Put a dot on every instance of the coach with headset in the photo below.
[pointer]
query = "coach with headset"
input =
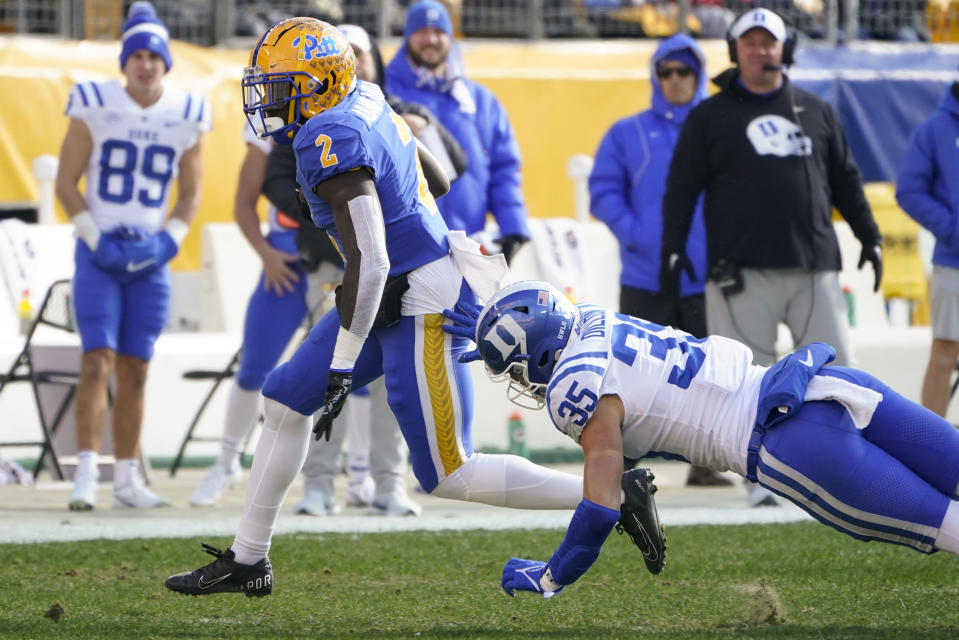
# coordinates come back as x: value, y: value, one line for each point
x: 772, y: 160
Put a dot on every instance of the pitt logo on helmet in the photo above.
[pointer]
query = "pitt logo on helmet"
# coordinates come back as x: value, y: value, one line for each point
x: 300, y: 68
x: 308, y: 47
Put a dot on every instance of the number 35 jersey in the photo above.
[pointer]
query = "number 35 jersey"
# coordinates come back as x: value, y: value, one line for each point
x: 691, y: 397
x: 136, y: 151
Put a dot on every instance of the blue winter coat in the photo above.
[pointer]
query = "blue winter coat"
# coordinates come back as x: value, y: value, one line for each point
x: 928, y: 184
x: 491, y: 183
x: 628, y: 181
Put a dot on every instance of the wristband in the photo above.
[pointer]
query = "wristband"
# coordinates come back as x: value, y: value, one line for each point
x: 177, y: 229
x: 346, y: 351
x: 87, y: 229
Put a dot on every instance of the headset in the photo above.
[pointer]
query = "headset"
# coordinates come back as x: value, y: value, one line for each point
x: 789, y: 46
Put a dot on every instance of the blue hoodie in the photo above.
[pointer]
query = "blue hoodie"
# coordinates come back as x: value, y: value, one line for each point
x: 628, y: 181
x: 477, y: 120
x: 928, y: 184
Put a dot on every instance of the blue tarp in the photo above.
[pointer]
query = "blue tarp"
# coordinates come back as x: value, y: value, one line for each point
x: 881, y: 91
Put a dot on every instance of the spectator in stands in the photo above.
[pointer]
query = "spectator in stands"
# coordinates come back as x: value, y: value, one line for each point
x: 425, y: 71
x: 626, y: 193
x: 771, y: 161
x: 130, y: 142
x: 928, y: 190
x: 294, y: 253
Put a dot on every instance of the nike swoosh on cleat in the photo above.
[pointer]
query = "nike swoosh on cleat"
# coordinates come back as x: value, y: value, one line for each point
x: 133, y: 267
x: 808, y: 359
x: 207, y: 585
x: 650, y: 552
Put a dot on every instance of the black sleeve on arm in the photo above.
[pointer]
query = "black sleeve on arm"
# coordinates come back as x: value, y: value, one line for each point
x: 436, y: 178
x: 684, y: 183
x: 279, y: 180
x: 845, y: 184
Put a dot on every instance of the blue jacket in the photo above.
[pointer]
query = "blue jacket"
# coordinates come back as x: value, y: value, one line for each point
x: 928, y: 184
x: 628, y: 181
x: 491, y: 183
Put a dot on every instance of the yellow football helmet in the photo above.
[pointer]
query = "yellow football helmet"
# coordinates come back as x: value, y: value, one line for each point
x: 298, y: 69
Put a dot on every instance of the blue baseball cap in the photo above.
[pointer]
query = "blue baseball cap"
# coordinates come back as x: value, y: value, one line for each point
x: 144, y: 30
x: 427, y: 13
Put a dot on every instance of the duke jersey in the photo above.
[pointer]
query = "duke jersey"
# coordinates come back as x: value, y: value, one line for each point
x: 363, y: 131
x: 686, y: 396
x: 136, y: 151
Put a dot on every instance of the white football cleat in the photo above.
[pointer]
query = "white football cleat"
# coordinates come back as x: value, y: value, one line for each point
x: 217, y: 481
x: 360, y: 494
x: 395, y: 504
x: 317, y: 502
x: 135, y: 495
x: 84, y: 494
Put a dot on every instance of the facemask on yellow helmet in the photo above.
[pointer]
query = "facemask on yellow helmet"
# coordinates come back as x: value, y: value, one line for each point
x: 298, y: 69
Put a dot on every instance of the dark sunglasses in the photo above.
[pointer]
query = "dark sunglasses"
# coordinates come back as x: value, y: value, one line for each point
x: 682, y: 72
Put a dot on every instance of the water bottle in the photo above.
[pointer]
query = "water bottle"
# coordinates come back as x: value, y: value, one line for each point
x: 25, y: 312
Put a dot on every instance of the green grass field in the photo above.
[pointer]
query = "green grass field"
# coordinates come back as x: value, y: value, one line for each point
x: 719, y: 582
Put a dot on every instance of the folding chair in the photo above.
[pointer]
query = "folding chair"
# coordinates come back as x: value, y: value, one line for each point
x: 203, y: 374
x: 54, y: 312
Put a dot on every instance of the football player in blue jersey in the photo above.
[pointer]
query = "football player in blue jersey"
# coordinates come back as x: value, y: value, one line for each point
x: 130, y: 142
x: 836, y: 441
x: 372, y: 186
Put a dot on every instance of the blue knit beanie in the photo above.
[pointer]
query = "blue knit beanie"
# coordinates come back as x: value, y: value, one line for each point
x: 427, y: 13
x: 143, y: 30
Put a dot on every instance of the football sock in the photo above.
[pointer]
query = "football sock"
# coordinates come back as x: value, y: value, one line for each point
x: 123, y: 470
x: 279, y: 456
x: 948, y: 538
x: 242, y: 409
x: 87, y: 462
x: 511, y: 481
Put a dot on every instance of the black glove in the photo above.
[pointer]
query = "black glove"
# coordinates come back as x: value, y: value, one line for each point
x: 510, y: 244
x: 673, y: 265
x: 873, y: 254
x: 337, y: 389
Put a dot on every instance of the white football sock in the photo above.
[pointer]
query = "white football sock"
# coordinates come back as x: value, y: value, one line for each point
x: 87, y: 461
x: 123, y: 470
x: 511, y: 481
x: 279, y: 456
x: 948, y: 538
x: 242, y: 410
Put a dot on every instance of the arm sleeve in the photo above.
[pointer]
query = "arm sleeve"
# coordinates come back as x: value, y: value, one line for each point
x: 914, y: 187
x: 505, y: 195
x: 609, y: 183
x: 279, y: 180
x: 688, y: 171
x: 845, y: 184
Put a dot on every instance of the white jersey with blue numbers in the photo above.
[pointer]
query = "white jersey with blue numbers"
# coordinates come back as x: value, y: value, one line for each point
x: 363, y: 131
x: 685, y: 396
x: 136, y: 151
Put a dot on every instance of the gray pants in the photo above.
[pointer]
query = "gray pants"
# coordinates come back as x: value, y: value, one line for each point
x: 810, y: 303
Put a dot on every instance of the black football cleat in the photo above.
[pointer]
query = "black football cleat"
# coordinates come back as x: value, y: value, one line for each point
x: 225, y: 575
x: 639, y: 518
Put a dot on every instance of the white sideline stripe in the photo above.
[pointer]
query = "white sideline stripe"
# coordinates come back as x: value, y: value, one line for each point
x: 162, y: 523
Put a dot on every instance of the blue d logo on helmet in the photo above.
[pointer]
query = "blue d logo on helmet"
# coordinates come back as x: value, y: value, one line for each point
x: 520, y: 335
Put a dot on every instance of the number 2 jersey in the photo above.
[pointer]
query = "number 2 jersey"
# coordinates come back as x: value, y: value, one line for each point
x: 684, y: 396
x: 136, y: 151
x: 363, y: 131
